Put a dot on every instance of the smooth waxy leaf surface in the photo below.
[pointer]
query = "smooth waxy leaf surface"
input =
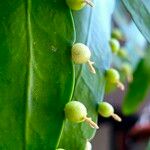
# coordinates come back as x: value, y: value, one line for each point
x: 36, y: 74
x: 92, y: 28
x: 140, y: 12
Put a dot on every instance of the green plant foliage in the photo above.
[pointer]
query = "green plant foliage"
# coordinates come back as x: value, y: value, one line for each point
x: 93, y: 29
x: 139, y: 87
x: 36, y: 72
x: 135, y: 42
x: 37, y: 77
x: 133, y: 46
x: 140, y: 13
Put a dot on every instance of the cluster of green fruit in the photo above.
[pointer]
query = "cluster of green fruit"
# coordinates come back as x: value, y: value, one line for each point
x: 116, y: 37
x: 75, y: 111
x: 81, y: 55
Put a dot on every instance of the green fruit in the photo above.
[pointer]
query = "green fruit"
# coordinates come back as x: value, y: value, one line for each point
x: 105, y: 109
x: 117, y: 34
x: 126, y: 68
x: 122, y: 53
x: 80, y: 53
x: 75, y: 111
x: 75, y: 4
x: 115, y: 45
x: 112, y: 76
x: 60, y: 149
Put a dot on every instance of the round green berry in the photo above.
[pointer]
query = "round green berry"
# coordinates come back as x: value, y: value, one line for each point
x: 126, y: 68
x: 75, y: 4
x: 117, y: 34
x: 112, y: 76
x: 122, y: 53
x: 115, y: 45
x: 75, y: 111
x: 80, y: 53
x: 105, y: 109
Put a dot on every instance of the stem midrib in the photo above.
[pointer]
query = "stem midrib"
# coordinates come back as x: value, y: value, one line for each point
x: 29, y: 66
